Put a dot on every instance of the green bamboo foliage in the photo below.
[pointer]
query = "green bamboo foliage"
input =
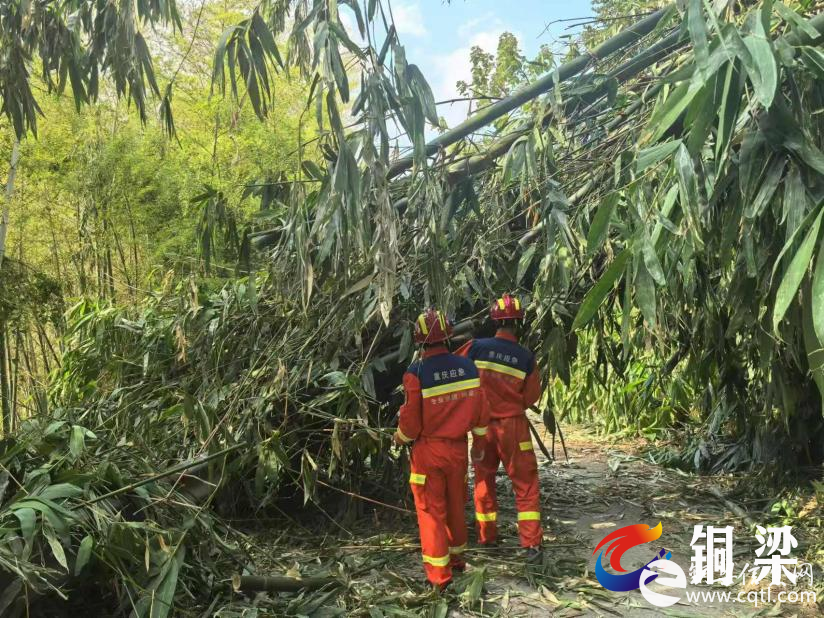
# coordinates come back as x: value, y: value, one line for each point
x: 665, y: 227
x: 78, y: 43
x: 727, y: 177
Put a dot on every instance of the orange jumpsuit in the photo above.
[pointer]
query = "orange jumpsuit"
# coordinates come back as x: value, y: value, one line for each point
x: 509, y: 378
x: 444, y: 401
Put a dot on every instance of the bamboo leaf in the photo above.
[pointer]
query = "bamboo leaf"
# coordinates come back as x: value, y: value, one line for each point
x: 795, y: 273
x: 795, y: 201
x: 264, y: 35
x: 753, y: 159
x: 771, y: 179
x: 663, y: 215
x: 77, y: 441
x: 688, y: 191
x: 598, y: 292
x: 626, y: 315
x: 764, y: 73
x: 812, y: 344
x: 524, y: 263
x: 702, y: 112
x: 218, y: 76
x: 796, y: 20
x: 56, y: 547
x: 665, y: 116
x: 60, y: 491
x: 28, y: 520
x: 731, y: 103
x: 599, y: 230
x: 84, y: 553
x: 343, y: 37
x: 817, y: 298
x: 341, y: 77
x: 814, y: 60
x: 645, y: 293
x: 654, y: 154
x: 652, y: 262
x: 164, y: 589
x: 698, y: 33
x: 791, y: 241
x: 419, y: 85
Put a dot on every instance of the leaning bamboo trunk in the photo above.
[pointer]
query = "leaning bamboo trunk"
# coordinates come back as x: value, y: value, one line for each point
x: 547, y: 83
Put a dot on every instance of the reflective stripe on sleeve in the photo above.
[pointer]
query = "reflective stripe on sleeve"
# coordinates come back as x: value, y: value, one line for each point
x: 403, y: 436
x: 453, y: 387
x: 525, y: 446
x: 486, y: 516
x: 499, y: 368
x: 417, y: 479
x: 440, y: 561
x: 529, y: 516
x: 479, y: 431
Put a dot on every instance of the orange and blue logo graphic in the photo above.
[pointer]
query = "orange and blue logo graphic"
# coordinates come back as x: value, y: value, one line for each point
x: 614, y: 545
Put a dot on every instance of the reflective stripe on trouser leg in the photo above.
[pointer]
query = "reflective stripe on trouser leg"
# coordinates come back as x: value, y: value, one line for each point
x: 430, y: 505
x: 456, y: 556
x: 529, y: 528
x: 486, y: 500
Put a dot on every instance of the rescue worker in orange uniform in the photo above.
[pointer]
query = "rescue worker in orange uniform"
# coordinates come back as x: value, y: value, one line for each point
x: 509, y: 378
x: 444, y: 402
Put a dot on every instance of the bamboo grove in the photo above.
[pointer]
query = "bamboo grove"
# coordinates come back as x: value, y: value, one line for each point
x: 658, y: 199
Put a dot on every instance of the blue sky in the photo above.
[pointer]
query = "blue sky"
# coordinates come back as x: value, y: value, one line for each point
x: 438, y: 35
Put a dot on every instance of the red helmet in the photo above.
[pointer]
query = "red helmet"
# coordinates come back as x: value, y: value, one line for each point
x: 432, y: 326
x: 506, y: 308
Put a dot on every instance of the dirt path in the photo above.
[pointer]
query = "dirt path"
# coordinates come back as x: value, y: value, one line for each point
x: 605, y: 486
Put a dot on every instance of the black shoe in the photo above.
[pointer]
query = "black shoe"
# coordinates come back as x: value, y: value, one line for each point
x: 535, y: 554
x: 439, y: 588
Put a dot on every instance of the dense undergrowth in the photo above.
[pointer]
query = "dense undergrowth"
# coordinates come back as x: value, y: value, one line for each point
x: 679, y: 204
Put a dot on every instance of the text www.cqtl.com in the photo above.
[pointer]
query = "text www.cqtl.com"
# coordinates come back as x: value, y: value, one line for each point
x: 754, y: 597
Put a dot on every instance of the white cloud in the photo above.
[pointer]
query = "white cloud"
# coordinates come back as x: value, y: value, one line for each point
x: 456, y: 66
x: 468, y: 27
x: 409, y: 19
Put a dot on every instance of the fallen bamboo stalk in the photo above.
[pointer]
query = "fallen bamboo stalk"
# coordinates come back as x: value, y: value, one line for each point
x: 630, y: 68
x: 173, y: 470
x: 541, y: 86
x: 277, y: 583
x: 540, y: 442
x: 461, y: 328
x: 479, y: 162
x: 732, y: 506
x: 280, y: 583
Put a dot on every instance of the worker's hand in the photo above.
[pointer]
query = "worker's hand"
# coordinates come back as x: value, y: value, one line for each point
x: 397, y: 439
x: 477, y: 453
